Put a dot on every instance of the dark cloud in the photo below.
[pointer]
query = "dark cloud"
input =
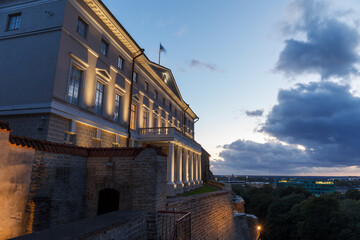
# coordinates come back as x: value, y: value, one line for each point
x: 324, y: 117
x: 255, y: 113
x: 321, y: 116
x: 250, y: 157
x: 330, y: 47
x: 196, y: 64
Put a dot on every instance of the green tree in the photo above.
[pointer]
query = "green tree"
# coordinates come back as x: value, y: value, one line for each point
x: 353, y: 194
x: 281, y: 220
x: 321, y: 218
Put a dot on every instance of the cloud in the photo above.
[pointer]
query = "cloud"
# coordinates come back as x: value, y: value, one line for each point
x: 329, y: 47
x: 320, y: 124
x: 255, y: 113
x: 323, y: 116
x: 182, y: 31
x: 251, y: 157
x: 199, y: 64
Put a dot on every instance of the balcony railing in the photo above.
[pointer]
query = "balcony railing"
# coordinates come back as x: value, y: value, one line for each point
x: 164, y: 131
x: 175, y: 225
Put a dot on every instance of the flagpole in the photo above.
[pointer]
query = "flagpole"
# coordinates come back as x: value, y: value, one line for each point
x: 159, y: 52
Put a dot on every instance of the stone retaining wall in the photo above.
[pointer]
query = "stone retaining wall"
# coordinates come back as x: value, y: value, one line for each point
x: 211, y: 215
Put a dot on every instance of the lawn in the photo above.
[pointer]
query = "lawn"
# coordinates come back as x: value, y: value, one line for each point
x: 204, y: 189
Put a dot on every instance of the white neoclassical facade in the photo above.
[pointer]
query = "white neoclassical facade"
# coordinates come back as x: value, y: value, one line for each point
x: 74, y: 75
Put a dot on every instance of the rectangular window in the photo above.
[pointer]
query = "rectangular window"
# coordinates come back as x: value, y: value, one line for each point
x: 74, y: 85
x: 133, y: 116
x: 175, y: 113
x: 104, y: 47
x: 170, y: 107
x: 117, y: 107
x: 163, y: 101
x: 135, y: 77
x: 14, y: 21
x: 145, y: 119
x: 99, y: 95
x: 146, y: 87
x: 82, y: 27
x: 156, y: 95
x: 120, y: 62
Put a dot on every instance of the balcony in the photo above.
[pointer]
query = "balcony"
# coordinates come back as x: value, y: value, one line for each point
x: 168, y: 134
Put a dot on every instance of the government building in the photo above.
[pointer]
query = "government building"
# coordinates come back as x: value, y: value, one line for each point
x: 96, y: 141
x: 71, y: 73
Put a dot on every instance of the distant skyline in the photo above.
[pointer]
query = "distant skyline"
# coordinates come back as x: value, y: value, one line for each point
x: 275, y: 83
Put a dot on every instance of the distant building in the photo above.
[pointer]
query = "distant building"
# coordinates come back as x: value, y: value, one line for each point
x: 315, y: 187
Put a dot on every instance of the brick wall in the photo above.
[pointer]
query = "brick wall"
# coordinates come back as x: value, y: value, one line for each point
x: 15, y: 175
x: 29, y: 125
x: 85, y: 135
x: 141, y: 182
x: 57, y: 190
x: 107, y: 138
x: 205, y: 166
x: 211, y: 215
x: 57, y: 127
x: 52, y: 128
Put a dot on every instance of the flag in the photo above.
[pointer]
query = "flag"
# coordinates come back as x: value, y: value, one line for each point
x: 162, y: 49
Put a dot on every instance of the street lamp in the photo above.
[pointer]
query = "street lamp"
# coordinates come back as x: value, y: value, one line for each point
x: 259, y: 229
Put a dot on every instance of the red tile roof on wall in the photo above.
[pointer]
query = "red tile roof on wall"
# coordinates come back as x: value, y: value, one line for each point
x: 114, y: 152
x: 61, y: 148
x: 5, y: 126
x: 46, y: 146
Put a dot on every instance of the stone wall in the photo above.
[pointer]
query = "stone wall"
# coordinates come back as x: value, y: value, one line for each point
x: 205, y: 166
x: 85, y: 135
x: 57, y: 127
x: 141, y: 182
x: 58, y: 190
x: 29, y: 125
x: 15, y: 175
x: 120, y: 225
x: 211, y: 215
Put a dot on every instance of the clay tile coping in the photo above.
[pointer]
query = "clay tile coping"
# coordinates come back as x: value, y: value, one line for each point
x: 61, y: 148
x: 114, y: 152
x: 5, y: 126
x: 47, y: 146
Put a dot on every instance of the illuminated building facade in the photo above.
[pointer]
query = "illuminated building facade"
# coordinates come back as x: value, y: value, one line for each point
x: 315, y: 187
x: 72, y: 74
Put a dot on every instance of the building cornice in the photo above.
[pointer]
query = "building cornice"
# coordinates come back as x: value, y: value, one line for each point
x: 104, y: 14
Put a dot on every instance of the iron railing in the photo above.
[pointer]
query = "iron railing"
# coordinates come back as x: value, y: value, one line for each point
x: 175, y: 225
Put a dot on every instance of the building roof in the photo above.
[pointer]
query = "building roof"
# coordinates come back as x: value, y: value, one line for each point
x: 61, y: 148
x: 105, y: 15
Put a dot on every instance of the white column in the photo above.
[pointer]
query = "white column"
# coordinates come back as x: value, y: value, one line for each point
x: 185, y: 169
x: 191, y: 161
x: 179, y: 183
x: 170, y: 170
x: 200, y: 170
x: 196, y: 169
